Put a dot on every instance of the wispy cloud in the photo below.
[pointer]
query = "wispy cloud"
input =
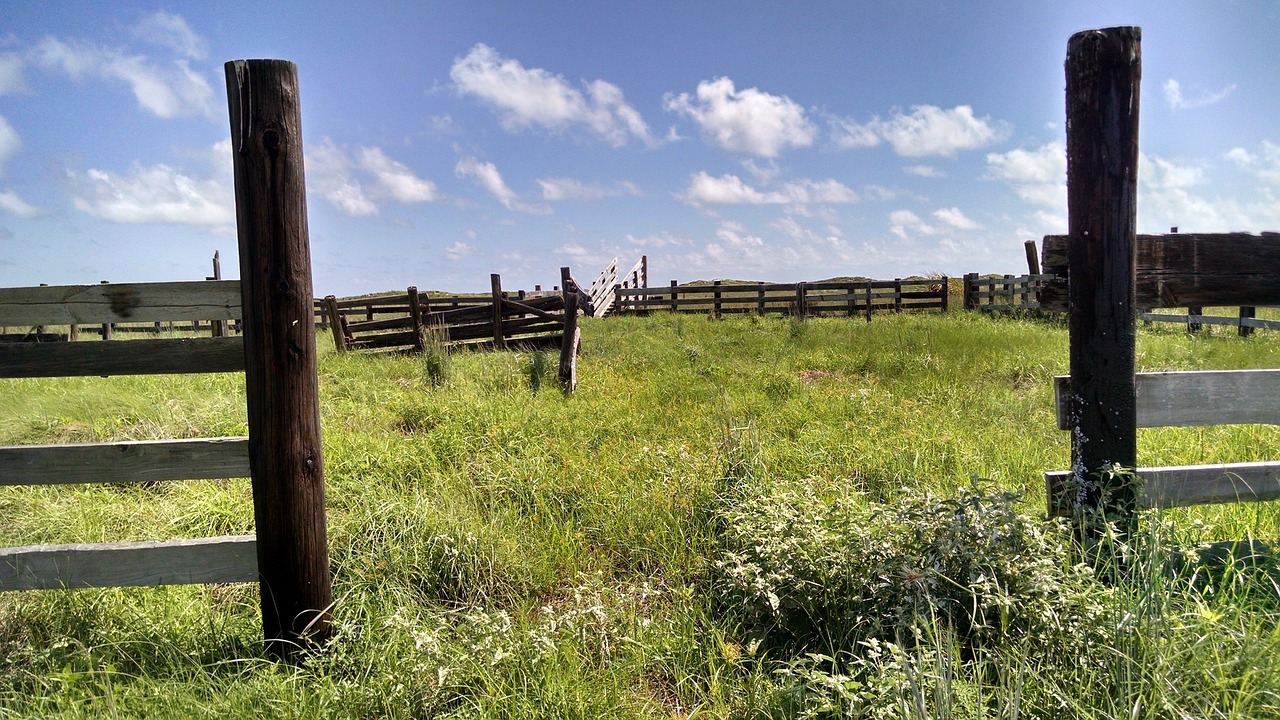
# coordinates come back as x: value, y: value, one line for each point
x: 337, y: 178
x: 159, y: 193
x: 486, y: 175
x: 1198, y: 97
x: 171, y: 31
x: 528, y: 97
x: 955, y: 218
x: 395, y: 179
x: 555, y: 189
x: 748, y: 121
x: 11, y: 203
x: 924, y: 171
x: 10, y: 143
x: 927, y: 130
x: 11, y: 76
x: 731, y: 190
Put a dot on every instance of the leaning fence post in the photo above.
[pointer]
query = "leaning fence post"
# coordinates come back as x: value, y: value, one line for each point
x: 286, y: 456
x: 335, y: 323
x: 572, y: 334
x: 495, y: 283
x: 1103, y: 69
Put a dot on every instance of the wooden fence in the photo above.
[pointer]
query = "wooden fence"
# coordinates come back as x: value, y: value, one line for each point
x: 1009, y: 293
x: 496, y: 321
x: 282, y: 454
x: 1103, y: 401
x: 852, y: 297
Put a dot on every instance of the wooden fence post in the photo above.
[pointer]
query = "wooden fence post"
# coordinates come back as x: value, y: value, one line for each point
x: 495, y: 283
x: 106, y: 327
x: 945, y: 282
x: 1193, y: 326
x: 218, y: 328
x: 335, y: 323
x: 868, y: 301
x: 716, y: 298
x: 572, y: 335
x: 802, y: 300
x: 286, y: 456
x: 644, y: 271
x: 675, y: 304
x: 1033, y: 259
x: 760, y: 298
x: 617, y: 299
x: 970, y: 290
x: 897, y: 294
x: 1103, y: 70
x: 415, y: 312
x: 1246, y: 312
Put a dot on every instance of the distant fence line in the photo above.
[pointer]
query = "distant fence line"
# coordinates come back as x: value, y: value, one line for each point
x: 849, y: 297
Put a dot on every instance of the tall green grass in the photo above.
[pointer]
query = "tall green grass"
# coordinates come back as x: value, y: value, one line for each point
x: 748, y: 517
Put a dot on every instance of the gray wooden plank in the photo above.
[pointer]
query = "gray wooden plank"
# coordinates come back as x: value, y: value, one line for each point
x: 1196, y: 397
x: 125, y: 357
x: 118, y: 462
x: 1183, y: 485
x: 130, y: 564
x: 125, y: 302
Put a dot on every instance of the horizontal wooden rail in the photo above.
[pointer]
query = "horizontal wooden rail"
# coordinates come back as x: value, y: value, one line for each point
x: 119, y: 462
x: 125, y: 302
x: 1184, y: 485
x: 135, y: 357
x: 130, y: 564
x: 1195, y: 397
x: 1211, y: 320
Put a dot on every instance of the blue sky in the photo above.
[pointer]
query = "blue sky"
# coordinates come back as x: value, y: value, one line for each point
x: 762, y: 141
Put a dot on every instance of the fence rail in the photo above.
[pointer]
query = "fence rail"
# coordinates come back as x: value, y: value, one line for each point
x: 1004, y: 294
x: 853, y: 297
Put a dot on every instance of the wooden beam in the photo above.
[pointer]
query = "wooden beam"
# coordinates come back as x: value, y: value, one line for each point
x: 281, y: 388
x: 495, y: 282
x: 121, y: 462
x: 129, y: 564
x: 1195, y: 397
x: 132, y: 357
x: 125, y: 302
x: 1182, y: 270
x: 1184, y: 485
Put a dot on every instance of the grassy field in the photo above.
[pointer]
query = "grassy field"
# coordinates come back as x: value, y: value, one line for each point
x: 744, y: 518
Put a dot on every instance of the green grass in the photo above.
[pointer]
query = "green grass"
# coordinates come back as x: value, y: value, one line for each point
x: 501, y: 549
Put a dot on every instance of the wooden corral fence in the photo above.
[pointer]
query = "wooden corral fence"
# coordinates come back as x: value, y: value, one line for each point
x: 851, y: 297
x: 288, y: 554
x: 1245, y: 323
x: 497, y: 321
x: 602, y: 297
x: 1008, y: 293
x: 1103, y: 401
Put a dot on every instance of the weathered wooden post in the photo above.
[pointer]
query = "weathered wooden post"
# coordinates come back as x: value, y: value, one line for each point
x: 869, y: 298
x: 106, y: 327
x: 218, y: 328
x: 1194, y: 326
x: 415, y: 312
x: 802, y: 300
x: 286, y: 457
x: 569, y: 343
x: 897, y: 294
x: 675, y: 302
x: 760, y: 298
x: 716, y: 298
x: 336, y: 323
x: 970, y: 290
x: 1103, y: 70
x: 1246, y: 312
x: 1033, y: 258
x: 944, y: 287
x: 495, y: 284
x: 644, y: 271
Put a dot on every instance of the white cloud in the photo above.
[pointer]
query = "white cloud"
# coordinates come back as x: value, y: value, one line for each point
x: 570, y: 189
x: 1265, y: 165
x: 171, y: 31
x: 486, y: 175
x: 165, y: 91
x: 14, y: 205
x: 659, y: 240
x: 159, y: 193
x: 924, y: 171
x: 1156, y: 173
x: 329, y: 171
x: 526, y: 97
x: 731, y: 190
x: 905, y: 223
x: 1038, y: 175
x: 458, y: 250
x: 1178, y: 101
x: 749, y: 121
x: 11, y: 79
x: 953, y: 217
x: 928, y: 130
x: 10, y: 143
x: 395, y: 179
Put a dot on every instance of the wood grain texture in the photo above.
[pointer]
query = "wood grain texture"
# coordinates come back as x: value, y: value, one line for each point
x: 1184, y: 485
x: 285, y: 449
x: 129, y: 564
x: 1195, y: 397
x: 1181, y: 270
x: 132, y: 357
x: 119, y: 462
x: 125, y: 302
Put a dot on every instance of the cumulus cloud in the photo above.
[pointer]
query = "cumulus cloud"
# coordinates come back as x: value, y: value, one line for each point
x: 11, y: 203
x: 747, y: 121
x: 458, y: 250
x: 905, y: 223
x: 395, y: 179
x: 1199, y: 98
x: 165, y: 90
x: 329, y: 171
x: 955, y: 218
x: 570, y: 189
x: 731, y: 190
x: 486, y: 175
x: 1038, y: 175
x: 1265, y: 164
x: 927, y: 130
x: 527, y: 97
x: 172, y: 32
x: 159, y: 193
x: 11, y: 79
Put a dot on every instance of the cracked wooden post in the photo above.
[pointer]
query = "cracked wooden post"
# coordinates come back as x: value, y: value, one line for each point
x: 572, y: 334
x: 499, y: 339
x: 1103, y: 70
x: 285, y: 453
